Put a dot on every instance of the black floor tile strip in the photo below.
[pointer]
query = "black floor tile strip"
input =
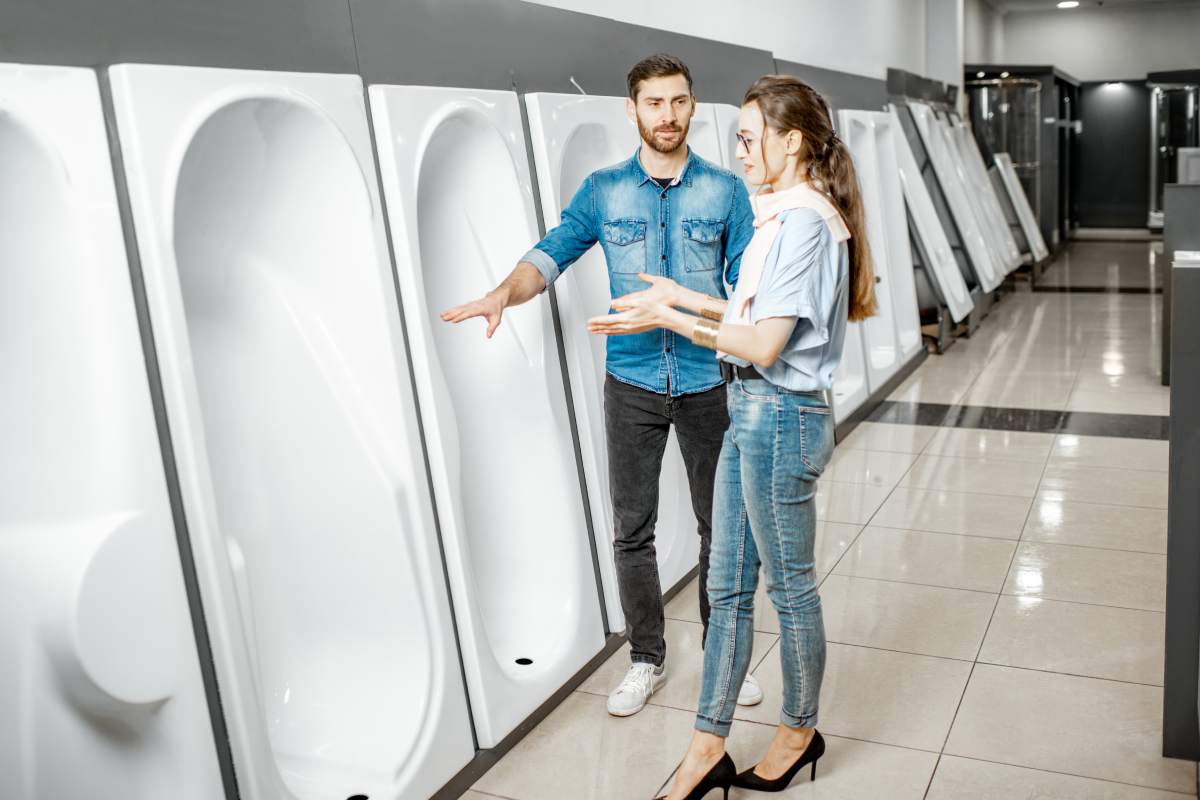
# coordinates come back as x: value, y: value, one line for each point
x: 1029, y: 420
x: 1098, y: 289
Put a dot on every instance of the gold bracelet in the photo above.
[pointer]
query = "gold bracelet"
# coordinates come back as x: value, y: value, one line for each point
x: 705, y: 333
x: 708, y: 313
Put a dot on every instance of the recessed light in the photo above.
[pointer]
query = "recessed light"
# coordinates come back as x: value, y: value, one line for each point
x: 1003, y: 74
x: 1069, y: 4
x: 980, y: 74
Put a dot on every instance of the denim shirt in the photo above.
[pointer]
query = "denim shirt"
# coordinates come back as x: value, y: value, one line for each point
x: 693, y: 232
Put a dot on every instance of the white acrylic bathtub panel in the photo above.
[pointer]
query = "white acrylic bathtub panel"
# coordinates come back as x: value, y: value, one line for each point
x: 573, y: 136
x: 99, y: 677
x: 985, y: 192
x: 460, y: 203
x: 292, y: 421
x: 945, y: 272
x: 727, y: 125
x: 954, y: 185
x: 880, y: 347
x: 1016, y: 194
x: 704, y: 137
x: 850, y: 388
x: 902, y: 281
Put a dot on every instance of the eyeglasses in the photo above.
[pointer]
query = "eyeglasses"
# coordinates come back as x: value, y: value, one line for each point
x: 744, y: 141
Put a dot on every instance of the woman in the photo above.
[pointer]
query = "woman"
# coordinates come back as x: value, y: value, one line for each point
x: 779, y: 337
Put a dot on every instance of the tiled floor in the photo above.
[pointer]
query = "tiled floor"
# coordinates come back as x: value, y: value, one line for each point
x: 993, y: 598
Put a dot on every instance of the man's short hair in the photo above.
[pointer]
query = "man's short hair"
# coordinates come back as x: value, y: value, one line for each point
x: 659, y: 65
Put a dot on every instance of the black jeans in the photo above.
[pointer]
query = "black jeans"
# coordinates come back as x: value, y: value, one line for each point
x: 636, y: 423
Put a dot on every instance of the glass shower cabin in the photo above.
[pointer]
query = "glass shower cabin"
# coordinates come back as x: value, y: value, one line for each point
x: 1174, y: 123
x: 1006, y: 118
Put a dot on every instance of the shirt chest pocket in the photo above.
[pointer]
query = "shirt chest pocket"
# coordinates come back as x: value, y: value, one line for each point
x: 702, y: 244
x: 625, y: 245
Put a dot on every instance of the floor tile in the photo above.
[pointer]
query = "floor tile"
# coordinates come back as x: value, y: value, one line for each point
x: 471, y: 794
x: 866, y: 466
x: 1118, y: 402
x: 998, y: 445
x: 933, y: 559
x: 1088, y: 575
x: 972, y: 475
x: 580, y: 751
x: 849, y: 770
x: 853, y: 503
x: 1050, y: 392
x: 1100, y: 485
x: 925, y: 620
x: 1097, y: 525
x: 877, y: 695
x: 1083, y: 726
x: 997, y: 516
x: 1112, y: 452
x: 888, y: 438
x: 685, y: 666
x: 1095, y: 641
x: 922, y: 390
x: 957, y: 778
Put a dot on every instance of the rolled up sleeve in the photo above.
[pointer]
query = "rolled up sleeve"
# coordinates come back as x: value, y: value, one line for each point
x: 571, y: 238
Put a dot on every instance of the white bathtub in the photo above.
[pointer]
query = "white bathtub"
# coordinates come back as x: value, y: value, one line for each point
x: 892, y: 337
x: 573, y: 136
x: 985, y: 195
x: 99, y: 677
x: 460, y: 205
x: 293, y: 423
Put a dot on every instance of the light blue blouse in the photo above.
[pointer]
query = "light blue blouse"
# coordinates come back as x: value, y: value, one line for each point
x: 806, y: 275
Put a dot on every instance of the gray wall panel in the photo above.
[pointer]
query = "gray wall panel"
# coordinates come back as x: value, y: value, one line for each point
x: 841, y: 89
x: 303, y: 35
x: 1114, y: 170
x: 492, y: 45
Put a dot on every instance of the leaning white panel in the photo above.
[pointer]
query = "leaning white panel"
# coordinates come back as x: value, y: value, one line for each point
x: 460, y: 205
x: 99, y: 677
x: 954, y: 185
x: 943, y: 265
x: 293, y: 426
x: 1020, y: 203
x: 901, y: 277
x: 572, y: 137
x: 985, y: 192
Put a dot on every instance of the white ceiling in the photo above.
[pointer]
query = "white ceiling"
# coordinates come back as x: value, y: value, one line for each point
x: 1005, y: 6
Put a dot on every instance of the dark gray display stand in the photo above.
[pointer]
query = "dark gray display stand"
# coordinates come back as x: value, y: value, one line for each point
x: 1181, y: 724
x: 1181, y: 231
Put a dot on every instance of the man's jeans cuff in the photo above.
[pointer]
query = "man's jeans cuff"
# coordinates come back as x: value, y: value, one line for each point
x: 544, y: 263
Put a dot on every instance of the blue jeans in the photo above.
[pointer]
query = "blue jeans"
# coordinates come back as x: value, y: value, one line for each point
x: 777, y: 445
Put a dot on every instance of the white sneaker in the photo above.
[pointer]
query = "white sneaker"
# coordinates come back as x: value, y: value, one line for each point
x: 751, y: 693
x: 641, y: 681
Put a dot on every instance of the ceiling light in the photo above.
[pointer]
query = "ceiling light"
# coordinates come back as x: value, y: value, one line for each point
x: 980, y: 74
x: 1069, y: 4
x: 1003, y: 74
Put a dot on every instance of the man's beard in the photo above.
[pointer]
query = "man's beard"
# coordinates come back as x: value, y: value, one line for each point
x: 663, y: 147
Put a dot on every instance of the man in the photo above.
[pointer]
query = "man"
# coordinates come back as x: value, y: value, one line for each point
x: 665, y: 211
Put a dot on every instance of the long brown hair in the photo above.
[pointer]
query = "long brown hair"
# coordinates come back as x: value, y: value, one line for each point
x: 789, y: 104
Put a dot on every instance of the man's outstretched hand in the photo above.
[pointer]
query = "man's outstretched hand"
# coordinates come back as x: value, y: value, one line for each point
x: 490, y: 307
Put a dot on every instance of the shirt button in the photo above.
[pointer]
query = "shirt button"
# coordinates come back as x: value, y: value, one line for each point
x: 662, y: 224
x: 664, y: 258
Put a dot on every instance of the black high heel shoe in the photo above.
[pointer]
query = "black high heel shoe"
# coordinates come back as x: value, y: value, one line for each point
x: 811, y: 755
x: 721, y: 776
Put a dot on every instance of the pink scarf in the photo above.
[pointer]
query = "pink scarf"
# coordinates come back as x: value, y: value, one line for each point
x: 767, y: 208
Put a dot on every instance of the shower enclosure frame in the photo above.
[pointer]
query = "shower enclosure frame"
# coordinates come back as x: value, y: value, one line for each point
x: 1157, y: 147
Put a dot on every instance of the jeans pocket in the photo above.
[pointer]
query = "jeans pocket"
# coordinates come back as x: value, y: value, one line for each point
x: 816, y: 439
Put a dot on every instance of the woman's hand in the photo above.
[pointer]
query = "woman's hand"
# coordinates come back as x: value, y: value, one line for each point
x: 639, y: 314
x: 662, y: 290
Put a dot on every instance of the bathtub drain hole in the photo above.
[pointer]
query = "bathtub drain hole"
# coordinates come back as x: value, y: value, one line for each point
x: 524, y: 662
